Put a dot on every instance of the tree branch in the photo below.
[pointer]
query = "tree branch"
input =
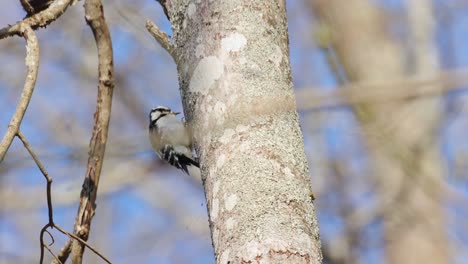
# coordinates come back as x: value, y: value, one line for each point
x: 64, y: 253
x: 32, y: 64
x: 44, y: 172
x: 41, y: 19
x: 25, y: 29
x: 74, y: 237
x: 94, y: 15
x: 57, y: 259
x: 52, y: 253
x: 161, y: 37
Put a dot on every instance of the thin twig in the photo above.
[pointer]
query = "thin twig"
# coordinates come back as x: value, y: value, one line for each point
x: 44, y: 172
x: 50, y: 211
x: 48, y: 192
x: 32, y: 64
x: 41, y: 19
x: 51, y: 237
x: 52, y: 253
x: 73, y: 236
x: 41, y: 239
x: 161, y: 37
x: 57, y: 258
x: 94, y: 15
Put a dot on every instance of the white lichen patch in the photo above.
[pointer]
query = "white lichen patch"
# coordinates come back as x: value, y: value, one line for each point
x: 191, y: 9
x: 244, y: 146
x: 209, y: 108
x: 214, y: 209
x: 224, y: 257
x: 219, y: 108
x: 241, y: 128
x: 233, y: 43
x: 219, y: 111
x: 254, y: 67
x: 216, y: 188
x: 242, y: 60
x: 304, y: 241
x: 208, y: 70
x: 233, y: 100
x: 230, y: 223
x: 230, y: 202
x: 220, y: 161
x: 277, y: 56
x: 275, y: 165
x: 185, y: 68
x: 252, y: 249
x: 227, y: 136
x: 288, y: 172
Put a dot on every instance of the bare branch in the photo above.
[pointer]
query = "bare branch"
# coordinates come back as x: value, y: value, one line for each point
x: 52, y: 253
x: 82, y: 242
x: 44, y: 172
x: 38, y: 20
x: 161, y: 37
x: 60, y: 258
x: 51, y: 237
x: 32, y: 64
x: 64, y: 253
x: 94, y: 15
x: 25, y: 28
x: 49, y: 196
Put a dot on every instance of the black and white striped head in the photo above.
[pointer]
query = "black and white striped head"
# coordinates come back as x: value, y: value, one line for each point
x: 158, y: 112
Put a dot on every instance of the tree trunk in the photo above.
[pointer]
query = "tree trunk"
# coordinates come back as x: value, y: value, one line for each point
x: 235, y: 79
x: 400, y: 135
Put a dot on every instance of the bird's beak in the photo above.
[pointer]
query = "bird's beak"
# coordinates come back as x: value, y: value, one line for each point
x: 176, y: 113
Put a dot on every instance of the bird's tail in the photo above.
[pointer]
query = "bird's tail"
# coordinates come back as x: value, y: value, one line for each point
x: 190, y: 166
x: 181, y: 161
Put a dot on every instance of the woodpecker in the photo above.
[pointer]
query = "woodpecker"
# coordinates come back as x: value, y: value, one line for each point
x: 171, y: 140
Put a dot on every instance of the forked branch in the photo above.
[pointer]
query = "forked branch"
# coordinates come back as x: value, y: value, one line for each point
x: 32, y: 65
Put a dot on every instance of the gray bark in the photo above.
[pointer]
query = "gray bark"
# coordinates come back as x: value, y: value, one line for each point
x: 235, y: 79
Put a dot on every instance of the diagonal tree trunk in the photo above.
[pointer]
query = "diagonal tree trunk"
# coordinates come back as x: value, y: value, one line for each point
x: 234, y: 72
x: 400, y: 135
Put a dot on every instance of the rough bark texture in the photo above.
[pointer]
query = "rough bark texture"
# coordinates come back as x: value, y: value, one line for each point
x: 234, y: 73
x: 400, y: 135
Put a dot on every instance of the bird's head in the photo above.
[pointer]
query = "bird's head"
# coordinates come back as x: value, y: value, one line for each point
x: 159, y: 112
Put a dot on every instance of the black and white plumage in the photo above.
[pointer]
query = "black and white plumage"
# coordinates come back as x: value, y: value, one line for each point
x: 171, y: 140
